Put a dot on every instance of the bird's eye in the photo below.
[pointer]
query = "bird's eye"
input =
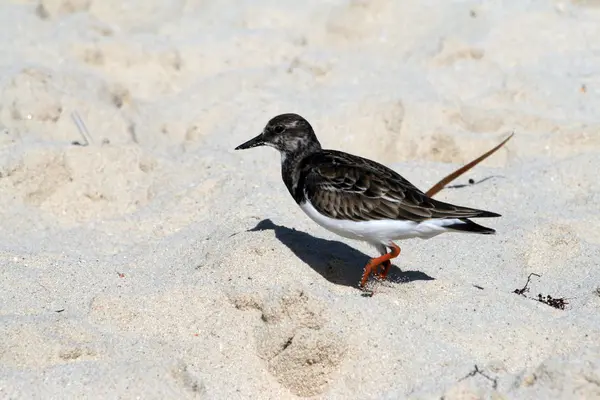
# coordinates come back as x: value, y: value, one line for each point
x: 279, y: 128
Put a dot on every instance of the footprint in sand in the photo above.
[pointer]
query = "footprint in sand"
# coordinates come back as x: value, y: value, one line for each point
x: 297, y: 346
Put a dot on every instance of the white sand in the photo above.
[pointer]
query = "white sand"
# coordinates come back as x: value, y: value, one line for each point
x: 159, y: 263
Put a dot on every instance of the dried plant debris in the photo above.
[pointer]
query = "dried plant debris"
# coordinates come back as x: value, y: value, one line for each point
x: 525, y: 288
x: 477, y: 371
x: 559, y: 302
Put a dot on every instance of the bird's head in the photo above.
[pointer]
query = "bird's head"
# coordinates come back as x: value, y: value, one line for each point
x: 288, y: 133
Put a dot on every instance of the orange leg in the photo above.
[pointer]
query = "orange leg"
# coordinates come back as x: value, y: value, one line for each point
x: 384, y: 260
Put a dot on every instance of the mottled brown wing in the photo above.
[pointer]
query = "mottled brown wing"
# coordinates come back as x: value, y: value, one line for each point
x: 348, y: 187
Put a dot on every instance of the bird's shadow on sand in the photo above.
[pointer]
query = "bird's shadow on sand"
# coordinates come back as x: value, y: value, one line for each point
x: 335, y: 261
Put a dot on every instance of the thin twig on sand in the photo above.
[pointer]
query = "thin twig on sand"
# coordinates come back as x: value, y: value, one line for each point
x: 525, y: 288
x: 477, y: 371
x: 82, y: 130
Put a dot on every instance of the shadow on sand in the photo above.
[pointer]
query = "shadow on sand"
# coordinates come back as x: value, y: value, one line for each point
x: 335, y: 261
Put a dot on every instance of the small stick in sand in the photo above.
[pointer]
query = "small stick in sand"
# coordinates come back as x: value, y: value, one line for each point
x: 477, y: 371
x: 441, y: 184
x: 525, y: 288
x: 82, y: 130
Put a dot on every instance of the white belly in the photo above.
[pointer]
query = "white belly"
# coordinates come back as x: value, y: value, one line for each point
x: 378, y: 231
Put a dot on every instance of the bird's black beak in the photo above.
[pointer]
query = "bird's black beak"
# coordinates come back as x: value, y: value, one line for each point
x: 254, y: 142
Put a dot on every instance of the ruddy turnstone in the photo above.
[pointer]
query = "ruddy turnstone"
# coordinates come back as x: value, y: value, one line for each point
x: 357, y: 198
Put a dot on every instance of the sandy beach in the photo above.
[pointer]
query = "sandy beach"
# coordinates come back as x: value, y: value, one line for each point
x: 156, y: 262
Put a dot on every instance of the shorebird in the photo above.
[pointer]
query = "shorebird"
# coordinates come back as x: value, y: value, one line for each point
x: 358, y: 198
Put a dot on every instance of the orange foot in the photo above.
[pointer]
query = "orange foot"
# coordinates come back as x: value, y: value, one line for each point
x: 384, y: 261
x: 382, y: 271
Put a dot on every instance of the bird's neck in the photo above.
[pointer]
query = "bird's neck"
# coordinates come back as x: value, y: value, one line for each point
x: 291, y: 168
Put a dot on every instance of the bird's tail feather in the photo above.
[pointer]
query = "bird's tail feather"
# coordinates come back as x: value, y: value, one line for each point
x: 466, y: 225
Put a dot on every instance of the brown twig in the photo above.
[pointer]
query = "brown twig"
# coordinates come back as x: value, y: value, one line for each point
x: 441, y: 184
